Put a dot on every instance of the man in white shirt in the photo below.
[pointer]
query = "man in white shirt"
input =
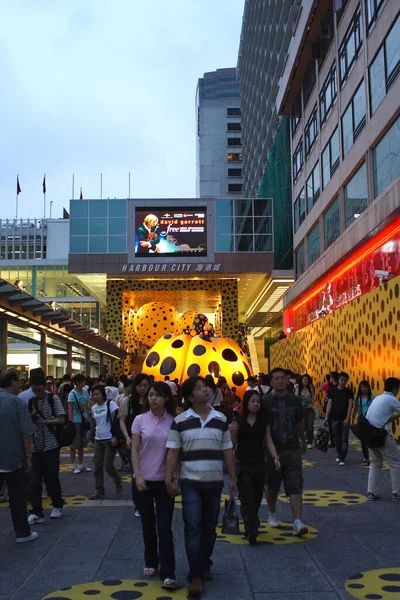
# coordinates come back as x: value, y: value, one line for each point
x: 111, y: 390
x: 383, y: 410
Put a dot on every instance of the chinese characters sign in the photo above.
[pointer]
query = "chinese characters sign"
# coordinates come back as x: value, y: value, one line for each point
x: 171, y: 268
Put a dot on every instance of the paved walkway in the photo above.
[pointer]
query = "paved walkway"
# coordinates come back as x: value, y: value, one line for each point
x: 97, y: 546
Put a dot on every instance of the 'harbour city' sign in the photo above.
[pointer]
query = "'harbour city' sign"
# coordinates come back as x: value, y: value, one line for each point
x: 171, y: 268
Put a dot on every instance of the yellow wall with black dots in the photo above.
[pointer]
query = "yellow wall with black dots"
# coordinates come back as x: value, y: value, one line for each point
x: 361, y: 338
x: 119, y: 316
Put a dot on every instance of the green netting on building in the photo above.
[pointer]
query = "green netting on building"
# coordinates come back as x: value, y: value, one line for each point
x: 276, y: 184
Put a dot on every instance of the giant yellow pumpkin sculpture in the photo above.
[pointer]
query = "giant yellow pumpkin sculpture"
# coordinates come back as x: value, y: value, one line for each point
x: 183, y: 356
x: 155, y: 319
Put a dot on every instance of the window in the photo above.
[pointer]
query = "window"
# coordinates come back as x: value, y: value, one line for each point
x: 350, y: 47
x: 244, y: 225
x: 299, y: 210
x: 235, y: 157
x: 234, y: 172
x: 298, y: 160
x: 234, y: 142
x: 314, y: 246
x: 300, y: 260
x: 385, y: 67
x: 309, y: 82
x: 354, y: 119
x: 331, y: 224
x: 234, y: 127
x: 233, y: 112
x: 386, y: 159
x: 311, y: 131
x: 327, y: 96
x: 79, y: 208
x: 313, y: 187
x: 372, y: 8
x: 234, y: 187
x: 296, y: 114
x: 330, y: 158
x: 355, y: 196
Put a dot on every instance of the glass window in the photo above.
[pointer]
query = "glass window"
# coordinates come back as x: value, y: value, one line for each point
x: 392, y: 49
x: 298, y: 160
x: 78, y: 208
x: 117, y: 226
x: 234, y: 127
x: 314, y: 246
x: 98, y: 244
x: 262, y: 225
x: 224, y: 208
x: 311, y: 131
x: 296, y: 214
x: 244, y: 225
x: 300, y: 261
x: 313, y: 188
x: 117, y: 243
x: 354, y: 119
x: 330, y: 158
x: 98, y: 208
x: 351, y: 46
x: 234, y: 172
x: 78, y: 244
x: 244, y: 243
x: 117, y: 208
x: 296, y: 113
x: 78, y: 226
x: 331, y: 224
x: 386, y: 159
x: 385, y: 67
x: 327, y: 96
x: 372, y: 8
x: 377, y: 88
x: 263, y: 206
x: 355, y: 196
x: 224, y: 226
x: 234, y: 142
x: 243, y: 208
x: 309, y: 82
x: 299, y: 210
x: 263, y: 243
x: 232, y: 157
x: 234, y: 187
x: 98, y: 226
x: 224, y: 243
x: 233, y: 112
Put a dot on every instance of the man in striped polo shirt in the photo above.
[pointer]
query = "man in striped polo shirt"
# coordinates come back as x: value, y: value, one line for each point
x: 200, y: 441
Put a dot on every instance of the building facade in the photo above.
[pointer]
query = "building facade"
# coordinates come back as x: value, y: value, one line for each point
x: 218, y: 135
x: 341, y: 87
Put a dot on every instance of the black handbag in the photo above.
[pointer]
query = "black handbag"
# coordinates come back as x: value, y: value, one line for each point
x: 372, y: 437
x: 85, y: 424
x: 230, y: 519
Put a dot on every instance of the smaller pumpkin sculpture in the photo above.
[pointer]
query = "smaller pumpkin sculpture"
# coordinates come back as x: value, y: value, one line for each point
x: 155, y: 319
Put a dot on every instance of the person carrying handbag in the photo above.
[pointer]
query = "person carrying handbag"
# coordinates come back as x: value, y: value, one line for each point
x: 77, y: 413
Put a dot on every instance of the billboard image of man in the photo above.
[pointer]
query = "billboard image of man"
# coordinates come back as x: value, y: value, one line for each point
x: 148, y: 235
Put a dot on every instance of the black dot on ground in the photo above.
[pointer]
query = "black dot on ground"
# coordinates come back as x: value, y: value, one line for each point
x: 91, y: 592
x: 356, y: 586
x: 66, y: 588
x: 390, y: 576
x: 61, y: 598
x: 374, y: 596
x: 140, y: 584
x: 391, y: 588
x: 357, y: 576
x: 280, y: 539
x: 164, y: 598
x: 126, y: 595
x: 111, y: 582
x: 351, y: 497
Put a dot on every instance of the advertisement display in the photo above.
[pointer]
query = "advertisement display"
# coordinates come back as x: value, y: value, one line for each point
x: 178, y: 232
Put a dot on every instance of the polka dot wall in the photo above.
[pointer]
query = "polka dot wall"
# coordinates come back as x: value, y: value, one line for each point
x: 362, y: 338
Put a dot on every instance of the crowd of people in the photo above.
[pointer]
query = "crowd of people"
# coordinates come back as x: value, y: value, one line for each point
x: 182, y: 439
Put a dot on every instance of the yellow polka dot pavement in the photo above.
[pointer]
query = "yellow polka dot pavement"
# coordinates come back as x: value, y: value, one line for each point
x: 118, y: 589
x: 68, y: 499
x: 380, y: 584
x: 328, y: 498
x: 309, y: 463
x: 268, y: 535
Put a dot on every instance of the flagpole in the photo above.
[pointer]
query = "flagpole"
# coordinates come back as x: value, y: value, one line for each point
x: 44, y: 197
x: 73, y: 186
x: 16, y: 200
x: 129, y: 186
x: 101, y: 186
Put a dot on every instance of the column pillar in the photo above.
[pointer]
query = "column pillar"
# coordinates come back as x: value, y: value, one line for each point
x: 87, y: 362
x: 3, y: 344
x: 43, y: 351
x: 69, y: 358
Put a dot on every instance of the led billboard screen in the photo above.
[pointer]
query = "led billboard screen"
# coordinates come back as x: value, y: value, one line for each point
x: 179, y: 232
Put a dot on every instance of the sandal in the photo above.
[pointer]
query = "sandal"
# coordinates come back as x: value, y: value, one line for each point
x: 169, y: 584
x: 149, y: 572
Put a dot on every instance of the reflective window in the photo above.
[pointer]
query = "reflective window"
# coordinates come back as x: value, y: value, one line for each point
x: 314, y: 246
x: 298, y: 160
x: 234, y: 127
x: 225, y: 226
x: 262, y: 225
x: 263, y: 243
x: 98, y: 208
x: 244, y: 225
x: 263, y: 206
x: 224, y: 208
x: 355, y: 196
x: 330, y: 158
x: 224, y: 243
x: 78, y: 226
x: 234, y: 172
x: 97, y: 244
x: 117, y: 208
x: 313, y: 187
x: 117, y: 243
x: 244, y: 243
x: 300, y: 260
x: 386, y: 159
x: 234, y: 187
x: 331, y: 224
x: 385, y: 67
x: 296, y: 114
x: 117, y: 226
x: 372, y: 8
x: 311, y: 131
x: 243, y: 208
x: 78, y: 244
x: 309, y: 82
x: 327, y: 95
x: 354, y: 119
x: 233, y: 112
x: 351, y: 46
x: 235, y: 157
x: 79, y: 208
x: 98, y: 226
x: 234, y: 142
x: 299, y: 210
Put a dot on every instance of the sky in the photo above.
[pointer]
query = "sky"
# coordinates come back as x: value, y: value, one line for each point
x: 105, y: 86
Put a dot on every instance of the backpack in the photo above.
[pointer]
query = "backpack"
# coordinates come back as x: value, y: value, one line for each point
x: 64, y: 433
x: 322, y: 439
x: 115, y: 427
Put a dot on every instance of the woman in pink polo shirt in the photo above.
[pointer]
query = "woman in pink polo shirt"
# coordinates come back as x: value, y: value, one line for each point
x: 149, y: 438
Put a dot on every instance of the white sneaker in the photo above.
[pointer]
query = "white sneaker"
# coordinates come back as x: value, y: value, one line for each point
x: 137, y: 514
x: 35, y: 519
x: 56, y: 513
x: 29, y: 538
x: 75, y: 469
x: 309, y: 446
x: 84, y: 469
x: 337, y: 459
x: 273, y: 521
x: 299, y: 528
x: 342, y: 463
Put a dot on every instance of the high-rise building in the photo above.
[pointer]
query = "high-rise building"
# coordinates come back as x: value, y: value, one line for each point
x: 218, y: 136
x: 341, y: 86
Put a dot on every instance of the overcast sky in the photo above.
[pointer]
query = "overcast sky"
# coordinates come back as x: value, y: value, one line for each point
x: 105, y: 86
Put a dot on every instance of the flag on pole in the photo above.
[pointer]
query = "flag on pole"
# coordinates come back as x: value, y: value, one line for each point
x: 81, y: 195
x: 44, y: 184
x: 18, y: 187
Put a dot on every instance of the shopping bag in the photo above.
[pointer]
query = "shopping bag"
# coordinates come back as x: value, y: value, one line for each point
x: 230, y: 519
x: 322, y: 439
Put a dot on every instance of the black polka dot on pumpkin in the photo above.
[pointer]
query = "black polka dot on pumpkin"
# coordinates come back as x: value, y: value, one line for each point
x: 193, y: 370
x: 167, y: 336
x: 199, y: 350
x: 168, y: 365
x: 214, y: 369
x: 177, y: 344
x: 229, y: 354
x: 153, y: 359
x: 238, y: 378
